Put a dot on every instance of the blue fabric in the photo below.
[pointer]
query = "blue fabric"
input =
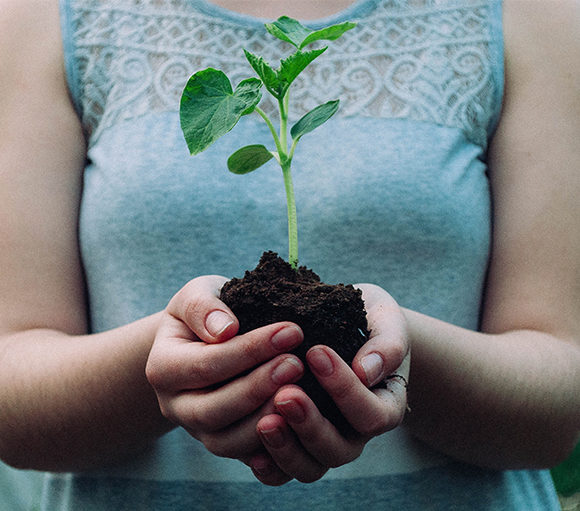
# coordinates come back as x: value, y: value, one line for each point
x: 393, y: 190
x: 20, y: 490
x: 180, y: 218
x: 457, y: 488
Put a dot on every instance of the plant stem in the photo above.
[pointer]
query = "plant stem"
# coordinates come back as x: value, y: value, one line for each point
x: 285, y: 161
x: 293, y: 148
x: 281, y: 149
x: 283, y: 106
x: 286, y: 164
x: 292, y: 217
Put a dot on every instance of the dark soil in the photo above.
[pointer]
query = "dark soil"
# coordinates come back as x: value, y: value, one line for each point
x: 328, y: 314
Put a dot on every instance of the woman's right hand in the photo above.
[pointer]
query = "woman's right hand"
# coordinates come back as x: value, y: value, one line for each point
x: 214, y: 383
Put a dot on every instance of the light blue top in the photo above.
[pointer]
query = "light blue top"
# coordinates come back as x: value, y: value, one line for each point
x: 393, y: 190
x: 20, y: 490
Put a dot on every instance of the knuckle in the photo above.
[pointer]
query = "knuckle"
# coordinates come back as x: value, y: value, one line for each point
x: 215, y: 445
x: 167, y: 410
x: 257, y: 391
x: 204, y: 419
x: 154, y: 373
x: 225, y: 444
x: 202, y: 371
x: 195, y: 308
x: 398, y: 351
x: 372, y: 430
x: 312, y: 476
x: 160, y: 372
x: 250, y: 350
x: 339, y: 459
x: 196, y: 414
x: 377, y: 425
x: 341, y: 389
x: 189, y: 303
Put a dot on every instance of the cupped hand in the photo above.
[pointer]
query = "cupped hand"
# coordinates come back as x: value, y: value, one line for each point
x: 372, y: 396
x: 212, y: 382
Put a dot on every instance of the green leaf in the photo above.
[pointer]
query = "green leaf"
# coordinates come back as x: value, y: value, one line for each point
x: 268, y: 75
x: 328, y: 34
x: 292, y: 66
x: 248, y: 158
x: 209, y: 107
x: 289, y: 30
x: 316, y: 117
x: 278, y: 81
x: 293, y: 32
x: 248, y: 93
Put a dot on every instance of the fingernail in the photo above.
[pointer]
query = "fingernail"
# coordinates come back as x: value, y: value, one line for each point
x: 320, y: 362
x: 292, y: 411
x: 287, y: 338
x: 273, y: 437
x: 290, y: 369
x: 217, y: 321
x: 373, y: 367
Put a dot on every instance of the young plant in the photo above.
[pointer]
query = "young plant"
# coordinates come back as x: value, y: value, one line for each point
x: 210, y: 108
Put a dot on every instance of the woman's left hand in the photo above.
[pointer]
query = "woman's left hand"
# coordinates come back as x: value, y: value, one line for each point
x: 301, y: 443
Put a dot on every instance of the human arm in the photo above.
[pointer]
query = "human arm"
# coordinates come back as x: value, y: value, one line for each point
x: 506, y: 397
x: 231, y: 392
x: 509, y: 397
x: 214, y: 384
x: 68, y: 400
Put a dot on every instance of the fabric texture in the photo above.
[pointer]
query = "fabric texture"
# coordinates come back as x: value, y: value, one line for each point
x: 393, y: 190
x: 20, y: 490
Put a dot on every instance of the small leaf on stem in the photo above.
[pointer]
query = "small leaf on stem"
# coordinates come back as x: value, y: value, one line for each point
x: 248, y: 158
x: 293, y: 32
x: 328, y: 34
x: 289, y: 30
x: 316, y: 117
x: 267, y: 74
x: 210, y: 108
x: 278, y: 81
x: 292, y: 66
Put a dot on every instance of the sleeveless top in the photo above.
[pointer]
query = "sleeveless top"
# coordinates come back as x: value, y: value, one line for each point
x: 392, y: 190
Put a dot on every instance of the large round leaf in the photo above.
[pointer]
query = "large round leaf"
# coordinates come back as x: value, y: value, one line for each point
x: 210, y: 108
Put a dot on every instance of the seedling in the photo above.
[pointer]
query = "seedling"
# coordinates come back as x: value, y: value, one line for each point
x: 210, y: 107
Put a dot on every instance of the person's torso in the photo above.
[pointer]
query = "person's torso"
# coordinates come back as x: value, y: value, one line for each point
x: 392, y: 190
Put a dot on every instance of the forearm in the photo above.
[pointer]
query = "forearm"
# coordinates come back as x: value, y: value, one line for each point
x: 503, y: 401
x: 71, y: 403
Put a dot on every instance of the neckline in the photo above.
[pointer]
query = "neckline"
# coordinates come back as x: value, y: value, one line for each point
x: 355, y: 10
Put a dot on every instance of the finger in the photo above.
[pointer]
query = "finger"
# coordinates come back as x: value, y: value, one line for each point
x: 266, y: 470
x: 368, y: 411
x: 382, y: 355
x: 316, y: 434
x: 198, y: 306
x: 240, y: 440
x: 177, y: 363
x: 287, y: 451
x: 388, y: 346
x: 214, y: 409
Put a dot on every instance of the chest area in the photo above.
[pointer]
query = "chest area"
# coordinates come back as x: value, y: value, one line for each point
x: 404, y: 60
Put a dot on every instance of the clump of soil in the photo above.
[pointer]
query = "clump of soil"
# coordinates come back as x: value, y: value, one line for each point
x: 328, y: 314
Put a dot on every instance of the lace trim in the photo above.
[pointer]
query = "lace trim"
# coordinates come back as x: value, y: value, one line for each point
x: 425, y: 60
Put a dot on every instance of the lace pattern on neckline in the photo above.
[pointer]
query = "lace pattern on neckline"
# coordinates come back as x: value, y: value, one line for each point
x: 425, y: 60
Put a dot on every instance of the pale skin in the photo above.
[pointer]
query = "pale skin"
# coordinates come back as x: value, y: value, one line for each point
x: 506, y: 397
